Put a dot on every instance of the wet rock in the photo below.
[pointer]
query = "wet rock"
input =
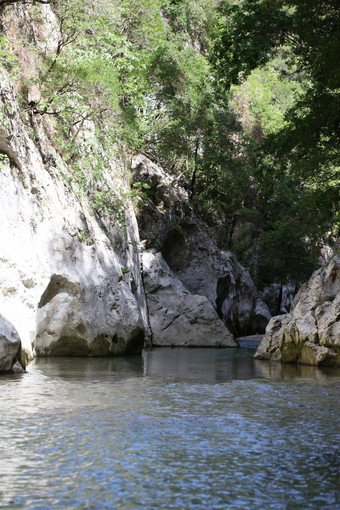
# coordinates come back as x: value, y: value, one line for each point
x: 10, y: 348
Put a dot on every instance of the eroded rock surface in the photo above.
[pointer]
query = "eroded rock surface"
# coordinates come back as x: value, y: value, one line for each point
x: 310, y: 334
x: 177, y: 317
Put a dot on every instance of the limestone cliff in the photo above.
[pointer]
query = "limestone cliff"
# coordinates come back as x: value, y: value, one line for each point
x: 71, y: 281
x: 168, y: 224
x: 63, y: 284
x: 310, y: 334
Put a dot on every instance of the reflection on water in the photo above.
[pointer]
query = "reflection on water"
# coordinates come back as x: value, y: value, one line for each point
x: 211, y: 365
x: 174, y: 429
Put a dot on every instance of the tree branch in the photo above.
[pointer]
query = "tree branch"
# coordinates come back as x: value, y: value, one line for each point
x: 9, y: 2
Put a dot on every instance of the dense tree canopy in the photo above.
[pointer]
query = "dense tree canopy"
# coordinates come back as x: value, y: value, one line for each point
x: 296, y: 166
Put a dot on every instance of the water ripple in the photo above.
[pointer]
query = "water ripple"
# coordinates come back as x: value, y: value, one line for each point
x: 97, y: 434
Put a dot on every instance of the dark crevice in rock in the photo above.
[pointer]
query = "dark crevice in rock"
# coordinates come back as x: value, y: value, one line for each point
x: 136, y: 343
x: 223, y: 289
x: 171, y: 322
x: 173, y: 250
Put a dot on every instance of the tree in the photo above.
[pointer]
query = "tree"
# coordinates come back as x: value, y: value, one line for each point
x: 303, y: 156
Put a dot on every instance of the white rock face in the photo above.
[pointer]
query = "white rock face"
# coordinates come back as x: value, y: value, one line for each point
x: 310, y: 334
x: 168, y: 224
x: 10, y: 346
x: 178, y: 318
x: 61, y: 281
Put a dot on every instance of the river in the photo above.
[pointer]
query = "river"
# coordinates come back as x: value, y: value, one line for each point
x: 172, y: 429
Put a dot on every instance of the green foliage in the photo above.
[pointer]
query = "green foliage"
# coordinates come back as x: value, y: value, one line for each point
x: 265, y: 97
x: 84, y: 237
x: 4, y: 158
x: 7, y: 58
x: 191, y: 20
x: 175, y: 226
x: 292, y: 120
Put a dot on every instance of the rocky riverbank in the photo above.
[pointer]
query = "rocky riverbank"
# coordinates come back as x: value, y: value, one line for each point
x: 310, y: 333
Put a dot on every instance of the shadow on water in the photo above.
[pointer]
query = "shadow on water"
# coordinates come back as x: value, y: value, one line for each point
x: 181, y: 364
x: 218, y: 365
x: 74, y: 368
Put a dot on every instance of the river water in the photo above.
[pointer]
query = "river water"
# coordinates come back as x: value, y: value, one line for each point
x: 173, y: 429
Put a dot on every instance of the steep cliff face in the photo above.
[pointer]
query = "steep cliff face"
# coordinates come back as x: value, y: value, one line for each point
x: 310, y: 334
x: 63, y: 283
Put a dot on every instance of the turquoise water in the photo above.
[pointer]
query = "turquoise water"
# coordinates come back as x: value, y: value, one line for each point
x: 174, y: 429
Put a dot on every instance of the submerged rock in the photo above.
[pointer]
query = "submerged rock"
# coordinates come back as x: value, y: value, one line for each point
x: 310, y: 334
x: 177, y: 317
x: 10, y: 348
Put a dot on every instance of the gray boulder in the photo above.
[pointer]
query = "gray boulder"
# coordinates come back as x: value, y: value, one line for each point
x: 10, y: 348
x: 310, y: 334
x: 74, y: 319
x: 177, y: 317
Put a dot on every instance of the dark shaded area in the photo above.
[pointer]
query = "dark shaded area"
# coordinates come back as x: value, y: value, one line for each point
x: 239, y: 321
x: 173, y: 249
x: 69, y: 346
x: 102, y: 345
x: 136, y: 343
x: 57, y: 285
x: 224, y: 287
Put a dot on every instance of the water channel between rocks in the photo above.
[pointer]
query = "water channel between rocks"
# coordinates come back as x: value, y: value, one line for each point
x: 172, y: 429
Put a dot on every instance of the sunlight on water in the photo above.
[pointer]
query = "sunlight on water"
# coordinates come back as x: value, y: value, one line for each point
x: 174, y: 429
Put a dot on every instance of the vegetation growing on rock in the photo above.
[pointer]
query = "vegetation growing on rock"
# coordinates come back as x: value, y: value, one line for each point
x: 238, y: 100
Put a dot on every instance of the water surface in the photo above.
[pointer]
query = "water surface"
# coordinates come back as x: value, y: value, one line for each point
x: 174, y: 429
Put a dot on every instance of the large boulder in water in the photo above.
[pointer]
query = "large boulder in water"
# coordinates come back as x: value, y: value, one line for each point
x: 10, y: 347
x: 177, y: 317
x: 87, y: 319
x: 310, y: 334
